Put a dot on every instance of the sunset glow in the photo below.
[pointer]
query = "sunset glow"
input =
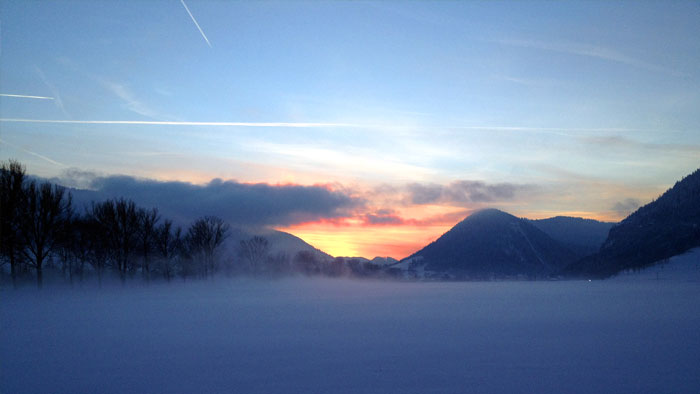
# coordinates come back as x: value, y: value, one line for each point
x: 356, y: 239
x: 363, y: 128
x: 375, y: 196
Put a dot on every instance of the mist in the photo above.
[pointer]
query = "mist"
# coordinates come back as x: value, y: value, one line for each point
x: 634, y: 333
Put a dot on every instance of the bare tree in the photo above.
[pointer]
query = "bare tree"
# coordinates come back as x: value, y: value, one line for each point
x: 169, y: 246
x: 255, y: 251
x: 12, y: 199
x: 307, y: 263
x: 67, y: 249
x: 99, y: 248
x: 147, y: 233
x: 204, y: 237
x: 118, y: 223
x: 43, y: 222
x: 278, y: 263
x: 335, y: 268
x: 83, y: 244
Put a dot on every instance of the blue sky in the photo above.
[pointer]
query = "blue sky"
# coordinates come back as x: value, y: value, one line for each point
x: 581, y: 105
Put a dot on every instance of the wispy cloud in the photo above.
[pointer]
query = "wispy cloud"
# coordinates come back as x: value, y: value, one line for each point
x: 382, y: 217
x: 180, y: 123
x: 57, y: 96
x: 342, y: 160
x: 195, y: 22
x: 26, y: 96
x: 519, y: 81
x: 588, y: 50
x: 151, y: 154
x: 530, y: 128
x: 120, y: 90
x: 130, y: 101
x: 529, y: 82
x: 42, y: 157
x: 564, y: 131
x: 619, y: 142
x: 626, y: 207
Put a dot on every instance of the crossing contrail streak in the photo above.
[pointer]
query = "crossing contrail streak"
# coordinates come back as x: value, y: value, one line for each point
x: 25, y: 96
x: 48, y: 159
x: 195, y: 22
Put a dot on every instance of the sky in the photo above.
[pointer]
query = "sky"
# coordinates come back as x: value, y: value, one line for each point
x: 365, y: 128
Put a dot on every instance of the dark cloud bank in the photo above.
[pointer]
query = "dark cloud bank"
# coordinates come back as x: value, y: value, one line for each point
x: 237, y: 203
x: 262, y: 205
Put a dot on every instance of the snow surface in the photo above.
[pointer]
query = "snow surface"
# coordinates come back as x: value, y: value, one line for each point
x: 341, y: 336
x: 681, y: 268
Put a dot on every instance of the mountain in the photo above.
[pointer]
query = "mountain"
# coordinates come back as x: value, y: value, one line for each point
x: 353, y: 258
x: 582, y: 236
x: 384, y: 261
x: 657, y: 231
x: 490, y: 243
x: 380, y: 261
x: 280, y: 242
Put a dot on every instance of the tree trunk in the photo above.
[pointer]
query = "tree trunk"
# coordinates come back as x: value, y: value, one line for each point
x: 39, y: 258
x: 39, y: 277
x: 13, y: 270
x: 146, y: 268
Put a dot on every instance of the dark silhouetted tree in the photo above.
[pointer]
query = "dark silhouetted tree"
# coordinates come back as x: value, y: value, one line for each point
x: 169, y: 246
x: 307, y: 263
x: 255, y: 252
x: 148, y: 220
x: 43, y: 222
x: 100, y: 250
x: 203, y: 238
x: 67, y: 247
x: 12, y: 199
x: 278, y: 263
x: 335, y: 268
x: 82, y: 244
x: 118, y: 222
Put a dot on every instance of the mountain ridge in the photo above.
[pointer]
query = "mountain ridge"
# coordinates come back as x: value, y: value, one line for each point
x: 490, y: 243
x: 582, y: 236
x: 663, y: 228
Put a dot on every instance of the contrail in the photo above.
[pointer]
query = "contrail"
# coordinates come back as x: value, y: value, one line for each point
x: 33, y: 153
x: 195, y: 22
x: 552, y: 130
x: 54, y: 91
x: 25, y: 96
x: 594, y: 51
x: 177, y: 123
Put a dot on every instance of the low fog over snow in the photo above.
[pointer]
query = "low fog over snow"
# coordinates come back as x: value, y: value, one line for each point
x: 632, y: 334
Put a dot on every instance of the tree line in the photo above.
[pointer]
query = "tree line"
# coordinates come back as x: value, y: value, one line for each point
x: 40, y: 228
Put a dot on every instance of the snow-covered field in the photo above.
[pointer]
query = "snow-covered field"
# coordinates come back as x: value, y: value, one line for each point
x: 340, y: 336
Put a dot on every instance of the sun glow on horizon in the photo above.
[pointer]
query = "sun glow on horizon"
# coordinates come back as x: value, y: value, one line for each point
x: 395, y: 241
x: 350, y: 237
x: 366, y: 129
